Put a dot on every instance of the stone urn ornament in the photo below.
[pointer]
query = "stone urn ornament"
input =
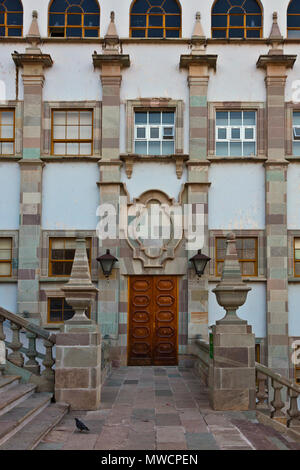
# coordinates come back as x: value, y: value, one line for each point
x: 231, y: 292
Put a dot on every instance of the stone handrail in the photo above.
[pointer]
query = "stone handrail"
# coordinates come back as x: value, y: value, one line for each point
x: 44, y: 378
x: 278, y: 381
x: 202, y: 365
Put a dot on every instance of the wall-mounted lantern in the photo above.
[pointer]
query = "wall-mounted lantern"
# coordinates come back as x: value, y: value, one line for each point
x: 199, y: 262
x: 107, y: 262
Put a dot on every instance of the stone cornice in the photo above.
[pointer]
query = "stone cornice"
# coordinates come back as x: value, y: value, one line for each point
x: 199, y: 59
x: 123, y: 60
x: 28, y: 59
x: 276, y: 59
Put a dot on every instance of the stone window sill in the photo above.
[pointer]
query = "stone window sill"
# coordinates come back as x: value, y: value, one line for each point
x: 130, y: 159
x: 254, y: 158
x: 244, y: 278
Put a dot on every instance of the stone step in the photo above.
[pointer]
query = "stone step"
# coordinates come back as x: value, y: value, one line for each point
x: 15, y: 419
x: 31, y: 435
x: 15, y: 395
x: 8, y: 381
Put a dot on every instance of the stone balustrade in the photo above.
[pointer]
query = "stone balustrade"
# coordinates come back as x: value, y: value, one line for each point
x: 26, y: 357
x: 285, y: 413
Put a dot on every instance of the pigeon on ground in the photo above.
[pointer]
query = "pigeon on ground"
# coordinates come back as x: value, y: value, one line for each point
x: 80, y: 425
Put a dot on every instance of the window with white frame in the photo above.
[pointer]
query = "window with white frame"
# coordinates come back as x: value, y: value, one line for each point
x: 72, y: 132
x: 235, y: 133
x: 296, y: 133
x: 154, y: 133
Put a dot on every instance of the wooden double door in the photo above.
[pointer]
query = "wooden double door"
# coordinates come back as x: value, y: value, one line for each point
x: 153, y: 320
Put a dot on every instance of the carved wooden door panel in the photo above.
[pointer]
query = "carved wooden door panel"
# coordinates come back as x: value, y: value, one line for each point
x: 152, y: 330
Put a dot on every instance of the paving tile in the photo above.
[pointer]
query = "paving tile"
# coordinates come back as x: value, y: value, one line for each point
x: 201, y: 441
x: 163, y: 393
x: 167, y: 419
x: 171, y: 446
x: 170, y: 434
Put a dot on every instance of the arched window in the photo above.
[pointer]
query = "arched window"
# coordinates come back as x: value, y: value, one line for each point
x: 236, y: 19
x: 155, y: 19
x: 74, y: 18
x: 293, y: 19
x: 11, y: 18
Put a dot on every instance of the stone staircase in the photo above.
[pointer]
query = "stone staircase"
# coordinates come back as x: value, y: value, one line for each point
x: 26, y: 416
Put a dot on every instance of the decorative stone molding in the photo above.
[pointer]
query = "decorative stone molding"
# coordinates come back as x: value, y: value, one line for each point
x: 209, y: 61
x: 130, y: 159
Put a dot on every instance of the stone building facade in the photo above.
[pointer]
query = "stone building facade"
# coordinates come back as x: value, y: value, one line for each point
x: 154, y: 104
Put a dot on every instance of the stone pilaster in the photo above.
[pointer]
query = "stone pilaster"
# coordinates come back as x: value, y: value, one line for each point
x: 198, y: 64
x: 111, y: 62
x: 33, y: 63
x: 276, y: 64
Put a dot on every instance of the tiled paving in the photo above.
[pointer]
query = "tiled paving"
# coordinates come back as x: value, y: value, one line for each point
x: 162, y: 408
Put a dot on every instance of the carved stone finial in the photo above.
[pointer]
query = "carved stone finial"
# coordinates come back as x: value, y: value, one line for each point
x: 198, y: 36
x: 275, y: 38
x: 111, y: 39
x: 34, y: 36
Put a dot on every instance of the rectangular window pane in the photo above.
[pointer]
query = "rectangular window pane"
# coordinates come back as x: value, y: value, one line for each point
x: 253, y: 20
x: 297, y: 243
x: 155, y: 20
x: 249, y: 133
x: 86, y: 118
x: 297, y: 269
x: 235, y: 133
x: 85, y: 132
x: 7, y: 132
x: 7, y: 148
x: 235, y: 149
x: 155, y: 33
x: 172, y: 33
x: 5, y: 254
x: 72, y: 118
x: 154, y: 133
x: 249, y: 118
x: 59, y: 132
x: 221, y: 149
x: 138, y: 20
x: 91, y: 20
x: 74, y: 20
x: 168, y: 118
x: 222, y: 118
x: 236, y: 20
x: 154, y: 118
x: 85, y: 149
x: 141, y: 118
x: 248, y: 269
x: 72, y: 149
x: 235, y: 118
x: 296, y: 148
x: 5, y: 269
x: 253, y: 33
x: 59, y: 149
x: 219, y: 21
x: 141, y: 147
x: 72, y: 132
x: 57, y: 268
x: 297, y: 254
x: 249, y: 149
x: 236, y: 33
x: 222, y: 133
x: 154, y: 148
x: 7, y: 118
x: 141, y: 132
x: 138, y: 33
x: 168, y: 148
x: 59, y: 118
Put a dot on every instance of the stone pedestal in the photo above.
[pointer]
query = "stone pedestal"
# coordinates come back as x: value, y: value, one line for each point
x: 78, y: 366
x: 232, y: 369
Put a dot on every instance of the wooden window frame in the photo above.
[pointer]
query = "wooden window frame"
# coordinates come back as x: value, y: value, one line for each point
x: 63, y: 301
x: 244, y: 27
x: 8, y: 261
x: 241, y: 261
x: 65, y: 261
x: 163, y: 27
x: 11, y: 27
x: 294, y: 28
x: 70, y: 141
x: 294, y: 256
x: 8, y: 140
x: 66, y: 26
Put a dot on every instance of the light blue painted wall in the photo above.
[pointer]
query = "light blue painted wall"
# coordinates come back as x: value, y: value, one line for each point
x: 8, y: 297
x: 293, y: 196
x: 153, y: 175
x: 236, y: 198
x: 9, y: 196
x: 254, y: 310
x: 70, y: 196
x: 294, y: 309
